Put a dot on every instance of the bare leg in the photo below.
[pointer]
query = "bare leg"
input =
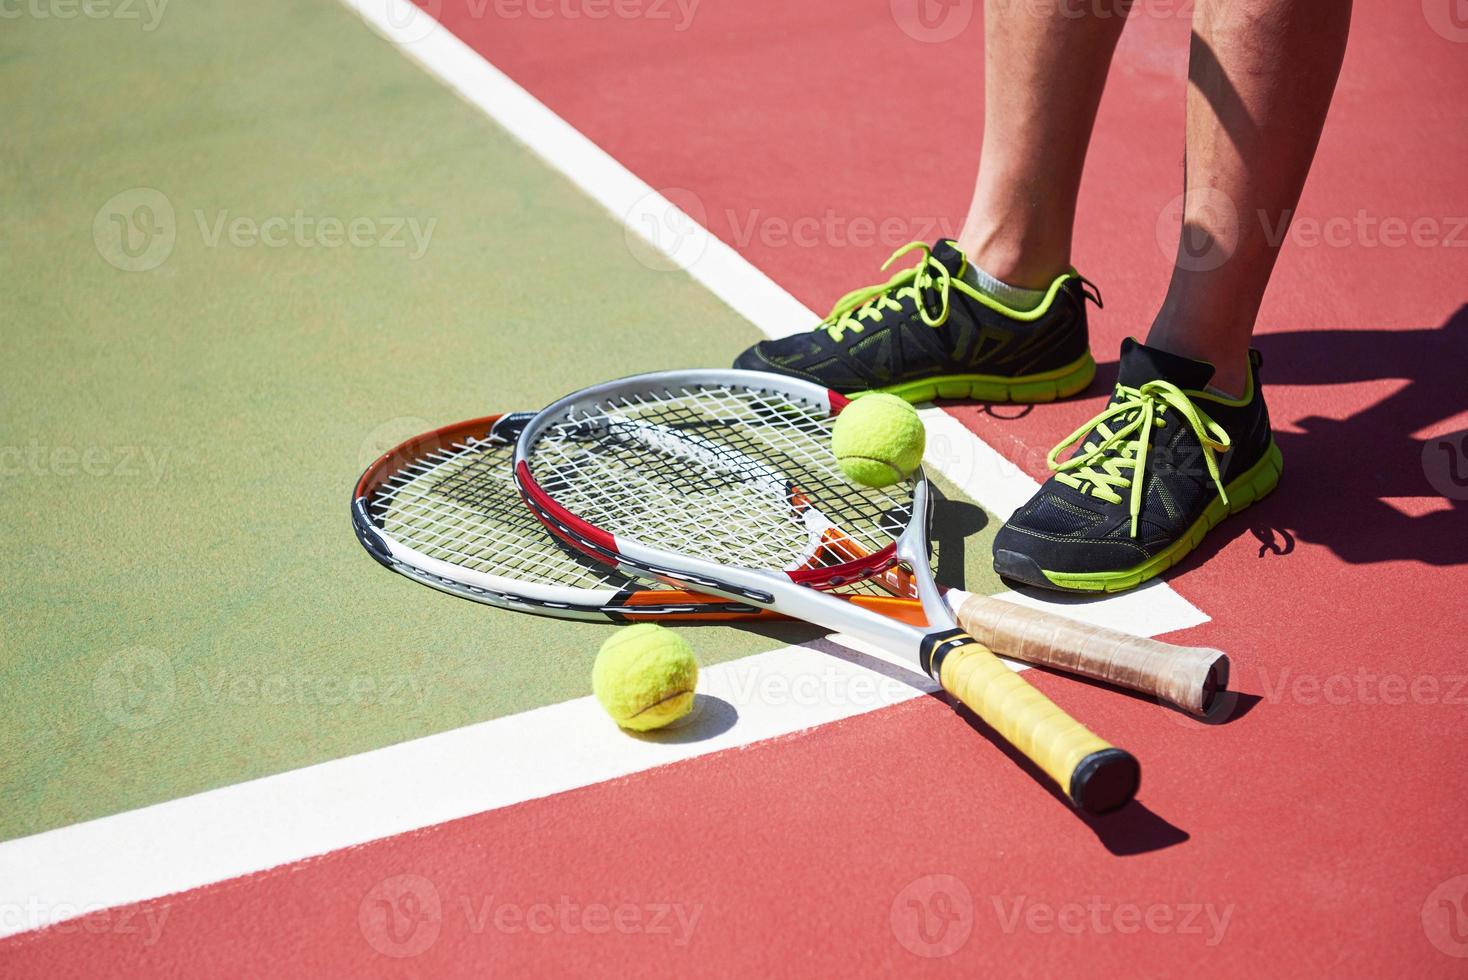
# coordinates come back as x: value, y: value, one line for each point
x: 1261, y: 75
x: 1044, y: 68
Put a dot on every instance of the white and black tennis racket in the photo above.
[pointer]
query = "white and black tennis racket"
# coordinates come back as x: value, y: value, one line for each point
x: 723, y: 482
x: 442, y: 509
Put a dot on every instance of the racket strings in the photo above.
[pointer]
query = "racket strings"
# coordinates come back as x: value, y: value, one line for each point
x: 730, y: 474
x: 459, y: 505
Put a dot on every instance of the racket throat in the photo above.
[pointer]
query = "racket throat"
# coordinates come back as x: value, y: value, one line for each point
x: 936, y: 647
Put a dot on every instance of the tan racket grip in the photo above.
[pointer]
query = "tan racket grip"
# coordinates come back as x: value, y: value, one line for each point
x: 1095, y: 775
x: 1189, y: 677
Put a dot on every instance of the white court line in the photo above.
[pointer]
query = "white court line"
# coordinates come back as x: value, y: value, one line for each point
x: 249, y: 827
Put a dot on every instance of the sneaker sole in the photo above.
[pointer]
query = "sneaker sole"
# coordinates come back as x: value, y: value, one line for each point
x: 1027, y: 388
x: 1253, y: 486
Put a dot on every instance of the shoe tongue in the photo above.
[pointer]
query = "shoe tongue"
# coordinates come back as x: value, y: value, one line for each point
x: 1140, y: 364
x: 953, y: 259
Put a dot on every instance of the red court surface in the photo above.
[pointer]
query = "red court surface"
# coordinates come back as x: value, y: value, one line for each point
x: 1320, y: 829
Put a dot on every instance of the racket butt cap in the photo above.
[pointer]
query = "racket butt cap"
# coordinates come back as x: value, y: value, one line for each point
x: 1215, y: 684
x: 1105, y: 781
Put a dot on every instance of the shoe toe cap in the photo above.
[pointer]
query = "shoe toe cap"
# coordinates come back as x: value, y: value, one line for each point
x: 753, y: 359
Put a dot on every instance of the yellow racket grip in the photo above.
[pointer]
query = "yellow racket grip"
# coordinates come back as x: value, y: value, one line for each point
x: 1096, y: 776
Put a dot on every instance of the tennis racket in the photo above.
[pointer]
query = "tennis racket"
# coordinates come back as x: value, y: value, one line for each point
x: 723, y: 482
x: 442, y: 509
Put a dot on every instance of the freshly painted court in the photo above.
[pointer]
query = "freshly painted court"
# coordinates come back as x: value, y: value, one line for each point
x: 246, y: 248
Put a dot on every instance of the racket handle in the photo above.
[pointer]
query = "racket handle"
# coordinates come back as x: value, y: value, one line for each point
x: 1096, y: 776
x: 1189, y: 677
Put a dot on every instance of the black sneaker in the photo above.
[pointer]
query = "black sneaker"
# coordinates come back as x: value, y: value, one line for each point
x: 926, y: 333
x: 1104, y: 523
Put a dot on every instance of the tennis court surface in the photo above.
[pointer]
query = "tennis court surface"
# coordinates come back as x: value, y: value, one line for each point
x: 248, y: 248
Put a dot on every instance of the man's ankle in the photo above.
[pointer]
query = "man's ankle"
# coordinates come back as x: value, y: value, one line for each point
x: 1230, y: 371
x: 1012, y: 263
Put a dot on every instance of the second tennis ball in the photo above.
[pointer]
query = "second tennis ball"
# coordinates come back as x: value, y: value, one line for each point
x: 878, y: 439
x: 644, y: 676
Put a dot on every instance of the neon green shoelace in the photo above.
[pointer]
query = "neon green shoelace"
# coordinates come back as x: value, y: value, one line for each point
x: 867, y: 305
x: 1119, y: 459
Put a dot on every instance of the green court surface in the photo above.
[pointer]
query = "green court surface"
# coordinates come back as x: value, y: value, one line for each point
x: 214, y: 318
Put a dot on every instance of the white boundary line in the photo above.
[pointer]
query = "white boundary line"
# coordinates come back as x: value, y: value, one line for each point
x: 250, y: 827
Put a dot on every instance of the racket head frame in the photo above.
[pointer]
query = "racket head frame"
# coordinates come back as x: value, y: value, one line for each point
x: 609, y: 602
x: 792, y: 592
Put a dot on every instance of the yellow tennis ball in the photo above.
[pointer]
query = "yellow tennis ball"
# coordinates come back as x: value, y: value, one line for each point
x: 878, y: 439
x: 644, y: 676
